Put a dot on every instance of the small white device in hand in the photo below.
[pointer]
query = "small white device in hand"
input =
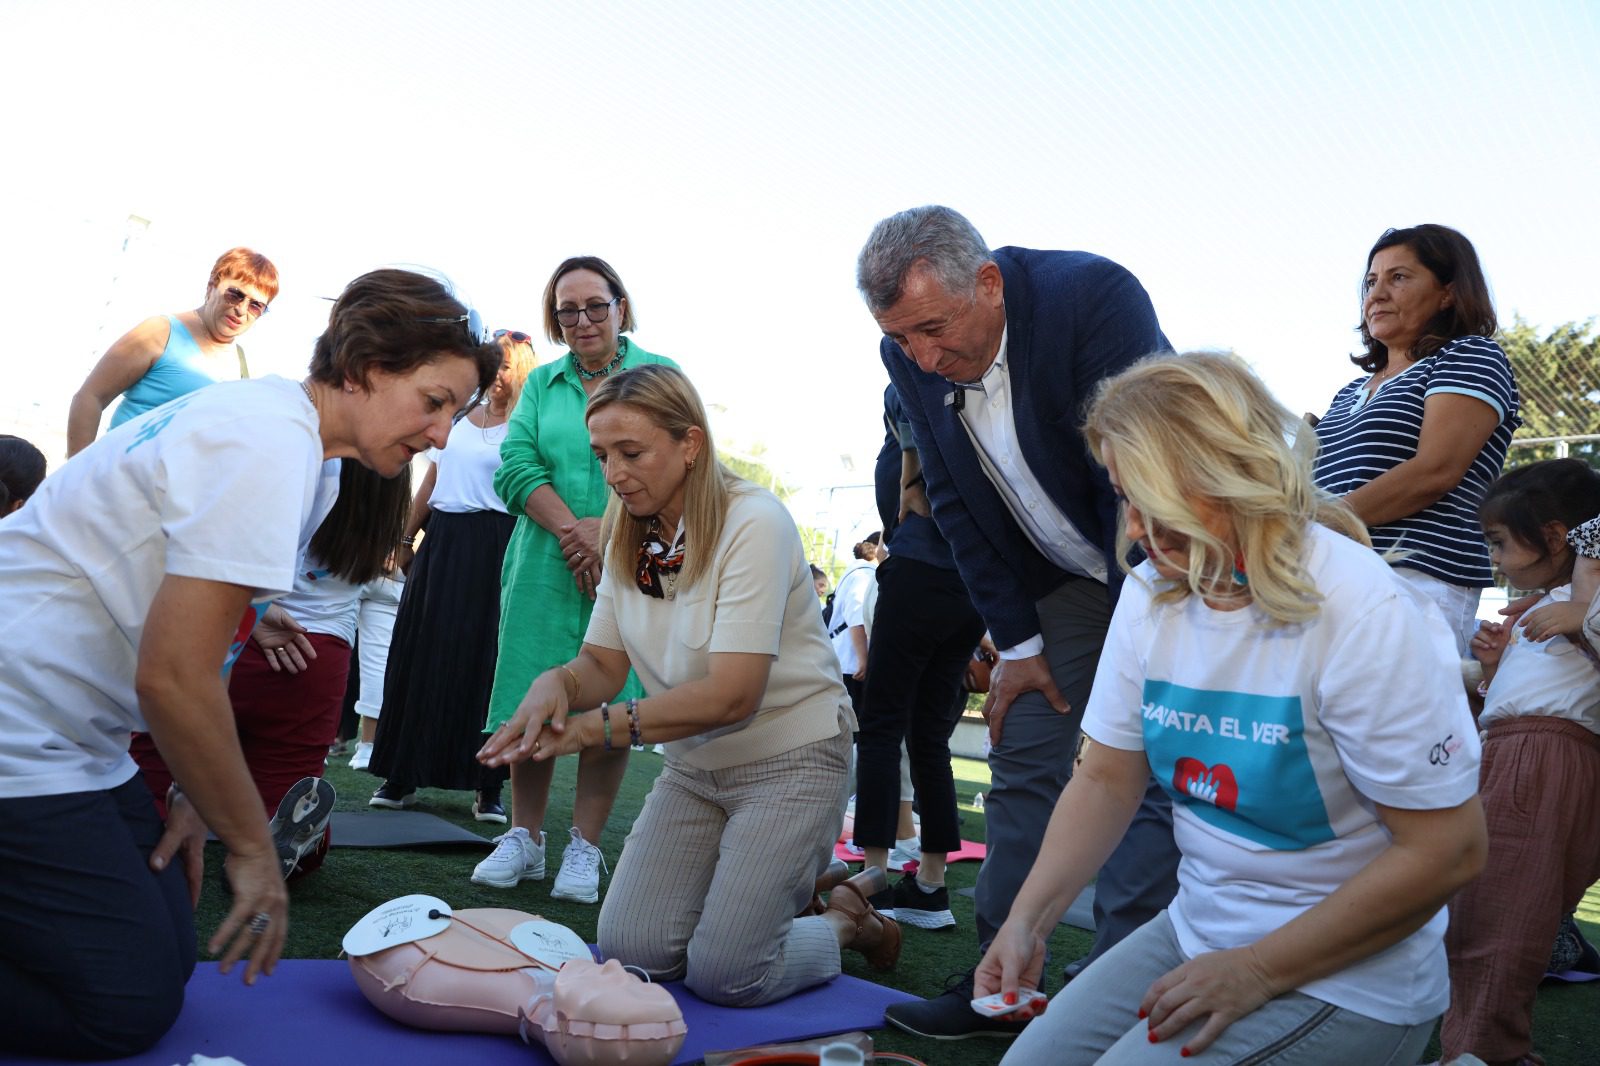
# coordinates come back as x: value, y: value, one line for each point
x: 995, y: 1006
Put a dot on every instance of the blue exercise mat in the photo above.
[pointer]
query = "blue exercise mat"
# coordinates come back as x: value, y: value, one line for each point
x: 310, y: 1012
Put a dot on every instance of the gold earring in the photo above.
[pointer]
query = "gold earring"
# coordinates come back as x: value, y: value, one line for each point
x: 691, y: 464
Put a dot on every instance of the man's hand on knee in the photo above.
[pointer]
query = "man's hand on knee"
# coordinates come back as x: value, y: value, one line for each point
x: 1011, y: 679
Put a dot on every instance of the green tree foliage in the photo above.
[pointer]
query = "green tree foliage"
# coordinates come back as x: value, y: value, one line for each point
x: 751, y: 465
x: 1559, y: 378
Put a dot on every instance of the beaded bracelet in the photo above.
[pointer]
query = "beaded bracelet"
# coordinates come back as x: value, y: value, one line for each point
x: 633, y: 722
x: 605, y: 722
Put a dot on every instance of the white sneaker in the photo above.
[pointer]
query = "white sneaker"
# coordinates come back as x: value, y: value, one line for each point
x: 515, y: 858
x: 302, y: 819
x: 362, y: 758
x: 904, y: 853
x: 579, y: 878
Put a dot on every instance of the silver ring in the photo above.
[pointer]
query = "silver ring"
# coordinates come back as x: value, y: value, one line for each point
x: 580, y: 557
x: 259, y: 923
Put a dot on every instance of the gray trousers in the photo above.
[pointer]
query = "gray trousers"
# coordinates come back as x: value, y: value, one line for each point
x: 1031, y: 765
x: 1095, y: 1020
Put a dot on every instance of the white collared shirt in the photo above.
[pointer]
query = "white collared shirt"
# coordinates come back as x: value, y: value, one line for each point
x: 991, y: 422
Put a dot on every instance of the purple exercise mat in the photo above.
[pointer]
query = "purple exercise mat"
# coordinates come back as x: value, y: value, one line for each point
x: 310, y: 1012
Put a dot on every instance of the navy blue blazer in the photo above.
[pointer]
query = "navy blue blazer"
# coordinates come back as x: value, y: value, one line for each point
x: 1072, y: 318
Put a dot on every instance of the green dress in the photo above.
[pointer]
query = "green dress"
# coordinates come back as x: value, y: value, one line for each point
x: 543, y: 616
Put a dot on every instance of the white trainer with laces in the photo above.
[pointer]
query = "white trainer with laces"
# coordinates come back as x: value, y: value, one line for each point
x: 579, y: 878
x: 904, y: 853
x: 362, y: 757
x: 302, y: 819
x: 515, y: 858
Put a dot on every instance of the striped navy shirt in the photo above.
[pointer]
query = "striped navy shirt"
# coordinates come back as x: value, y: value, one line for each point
x: 1361, y: 438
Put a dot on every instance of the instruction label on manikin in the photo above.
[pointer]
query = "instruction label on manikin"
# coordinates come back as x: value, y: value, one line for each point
x: 400, y: 921
x: 551, y: 944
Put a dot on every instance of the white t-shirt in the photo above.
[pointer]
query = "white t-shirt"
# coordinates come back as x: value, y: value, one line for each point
x: 465, y: 469
x: 1553, y: 679
x: 850, y: 609
x: 221, y: 484
x: 323, y: 602
x: 1275, y: 742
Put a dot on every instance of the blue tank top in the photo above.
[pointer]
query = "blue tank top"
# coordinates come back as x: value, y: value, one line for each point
x: 181, y: 369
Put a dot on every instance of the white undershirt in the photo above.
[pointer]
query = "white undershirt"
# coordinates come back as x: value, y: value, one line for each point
x: 991, y: 423
x: 464, y: 479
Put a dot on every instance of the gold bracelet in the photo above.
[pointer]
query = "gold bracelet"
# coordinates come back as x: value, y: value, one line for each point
x: 577, y: 686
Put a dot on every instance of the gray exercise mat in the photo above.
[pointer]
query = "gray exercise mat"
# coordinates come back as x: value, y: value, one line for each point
x: 400, y: 829
x: 1079, y: 915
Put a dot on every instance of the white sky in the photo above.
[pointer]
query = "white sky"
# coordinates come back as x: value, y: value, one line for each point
x: 729, y: 160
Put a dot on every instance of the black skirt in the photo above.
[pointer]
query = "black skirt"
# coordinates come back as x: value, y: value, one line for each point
x: 442, y: 656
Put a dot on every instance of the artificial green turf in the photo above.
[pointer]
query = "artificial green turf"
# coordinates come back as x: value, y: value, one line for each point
x: 354, y: 880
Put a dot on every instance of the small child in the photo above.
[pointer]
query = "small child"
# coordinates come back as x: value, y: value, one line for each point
x: 1579, y: 617
x: 1540, y: 776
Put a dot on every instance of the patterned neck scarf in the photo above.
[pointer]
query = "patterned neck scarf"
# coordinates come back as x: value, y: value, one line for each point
x: 657, y: 559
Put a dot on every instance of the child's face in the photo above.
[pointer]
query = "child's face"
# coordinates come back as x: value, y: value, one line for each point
x: 1521, y: 564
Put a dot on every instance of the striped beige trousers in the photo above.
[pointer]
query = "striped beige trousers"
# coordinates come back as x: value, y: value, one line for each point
x: 717, y: 866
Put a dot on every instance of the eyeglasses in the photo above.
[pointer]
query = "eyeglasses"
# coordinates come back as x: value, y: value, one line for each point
x: 568, y: 316
x: 516, y: 335
x: 474, y: 325
x: 235, y: 297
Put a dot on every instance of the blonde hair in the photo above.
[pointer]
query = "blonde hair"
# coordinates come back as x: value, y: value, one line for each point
x: 522, y: 359
x: 1203, y: 426
x: 666, y: 396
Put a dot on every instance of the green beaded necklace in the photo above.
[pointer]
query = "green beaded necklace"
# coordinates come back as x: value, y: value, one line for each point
x: 605, y: 371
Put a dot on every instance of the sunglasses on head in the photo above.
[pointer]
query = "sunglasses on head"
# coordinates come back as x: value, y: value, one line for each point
x: 473, y: 321
x: 516, y: 335
x: 235, y: 297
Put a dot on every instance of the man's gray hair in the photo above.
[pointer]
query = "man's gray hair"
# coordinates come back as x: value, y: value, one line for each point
x: 937, y: 237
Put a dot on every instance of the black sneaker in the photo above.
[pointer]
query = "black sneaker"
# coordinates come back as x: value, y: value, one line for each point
x: 393, y: 797
x: 302, y: 818
x: 950, y: 1016
x: 910, y: 905
x: 883, y: 902
x: 488, y: 808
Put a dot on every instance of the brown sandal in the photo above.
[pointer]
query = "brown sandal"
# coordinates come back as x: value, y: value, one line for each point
x: 876, y: 937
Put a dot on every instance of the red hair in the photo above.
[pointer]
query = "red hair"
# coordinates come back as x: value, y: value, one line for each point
x: 248, y: 266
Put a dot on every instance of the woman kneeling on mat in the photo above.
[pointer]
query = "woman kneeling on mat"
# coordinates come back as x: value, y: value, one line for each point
x: 132, y: 580
x: 1303, y: 707
x: 707, y: 595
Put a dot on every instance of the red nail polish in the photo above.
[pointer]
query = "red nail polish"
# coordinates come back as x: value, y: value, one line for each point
x: 1011, y: 999
x: 1143, y: 1014
x: 1152, y: 1036
x: 1184, y: 1052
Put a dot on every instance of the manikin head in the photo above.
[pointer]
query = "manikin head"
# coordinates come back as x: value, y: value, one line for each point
x: 600, y: 1015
